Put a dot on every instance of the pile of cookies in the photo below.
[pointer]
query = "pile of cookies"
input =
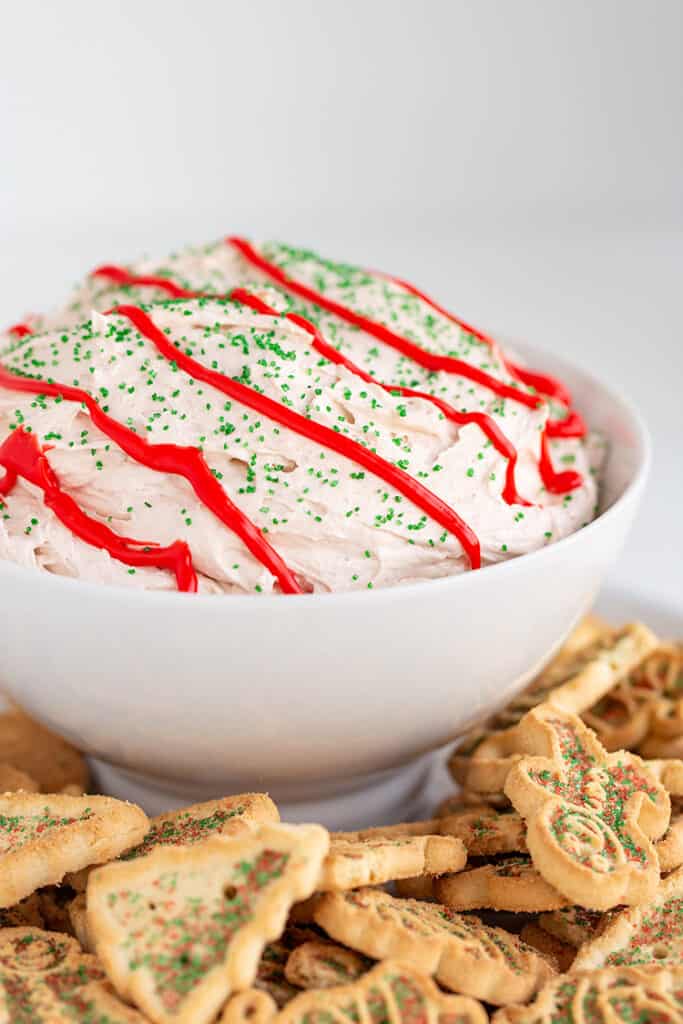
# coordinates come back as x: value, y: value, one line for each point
x: 547, y: 890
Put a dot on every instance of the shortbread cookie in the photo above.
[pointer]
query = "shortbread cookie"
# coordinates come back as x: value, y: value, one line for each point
x: 351, y: 864
x: 574, y: 925
x: 663, y: 674
x: 271, y: 975
x: 393, y: 992
x: 181, y: 928
x: 189, y: 825
x: 322, y: 964
x: 511, y: 883
x: 670, y: 846
x: 580, y: 683
x: 487, y: 832
x: 620, y: 995
x: 48, y: 759
x: 78, y: 915
x: 46, y: 979
x: 591, y: 816
x: 13, y: 779
x: 463, y: 954
x: 648, y: 935
x: 44, y: 837
x: 54, y: 903
x: 561, y: 954
x: 646, y: 700
x: 668, y: 771
x: 249, y: 1007
x: 23, y: 915
x: 575, y: 678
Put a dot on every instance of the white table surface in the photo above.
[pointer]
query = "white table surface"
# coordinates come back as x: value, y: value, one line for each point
x: 611, y: 301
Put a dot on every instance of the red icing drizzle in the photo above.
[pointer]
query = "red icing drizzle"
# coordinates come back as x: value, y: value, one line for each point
x: 556, y: 483
x: 21, y: 456
x: 22, y: 459
x: 571, y: 426
x: 317, y: 432
x: 187, y: 462
x: 20, y: 330
x: 123, y: 277
x: 484, y: 421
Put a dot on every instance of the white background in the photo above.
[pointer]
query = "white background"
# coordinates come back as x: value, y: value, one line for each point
x: 521, y: 159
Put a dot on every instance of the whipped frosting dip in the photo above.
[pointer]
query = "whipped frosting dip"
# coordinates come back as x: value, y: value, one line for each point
x: 331, y: 523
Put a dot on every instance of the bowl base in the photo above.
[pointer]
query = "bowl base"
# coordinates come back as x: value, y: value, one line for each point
x: 403, y: 794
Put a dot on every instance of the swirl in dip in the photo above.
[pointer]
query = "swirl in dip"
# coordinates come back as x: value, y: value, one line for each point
x: 251, y: 419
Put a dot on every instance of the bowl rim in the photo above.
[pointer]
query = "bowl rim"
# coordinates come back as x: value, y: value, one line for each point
x: 404, y: 591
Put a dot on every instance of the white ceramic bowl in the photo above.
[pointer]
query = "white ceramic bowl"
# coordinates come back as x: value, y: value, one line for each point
x: 313, y: 698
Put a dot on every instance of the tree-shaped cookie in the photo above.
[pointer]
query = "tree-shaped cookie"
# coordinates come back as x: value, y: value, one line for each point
x: 42, y: 838
x: 591, y: 816
x: 181, y: 928
x: 462, y: 953
x: 648, y: 935
x: 45, y: 978
x: 190, y: 825
x: 394, y: 992
x: 621, y: 995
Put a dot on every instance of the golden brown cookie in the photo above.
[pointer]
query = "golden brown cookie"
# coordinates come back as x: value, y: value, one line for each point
x: 183, y: 927
x: 510, y: 883
x: 462, y: 953
x: 42, y: 755
x: 591, y: 816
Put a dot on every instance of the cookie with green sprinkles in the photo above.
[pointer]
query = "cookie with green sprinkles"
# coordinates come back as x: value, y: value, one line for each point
x: 510, y: 883
x: 620, y: 995
x: 42, y: 838
x: 463, y: 954
x: 182, y: 928
x: 45, y: 978
x: 648, y: 935
x: 322, y: 964
x: 188, y: 825
x: 482, y: 763
x: 353, y: 863
x: 393, y: 992
x: 591, y: 816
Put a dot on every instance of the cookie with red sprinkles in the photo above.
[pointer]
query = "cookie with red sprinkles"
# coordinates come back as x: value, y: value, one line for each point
x: 462, y: 953
x: 620, y: 995
x: 648, y: 935
x: 45, y: 978
x: 189, y: 825
x: 42, y: 838
x: 182, y: 928
x: 393, y: 992
x: 591, y: 816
